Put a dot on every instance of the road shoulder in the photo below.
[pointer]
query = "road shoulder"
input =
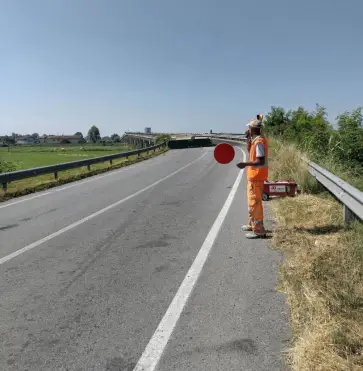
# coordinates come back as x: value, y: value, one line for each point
x: 235, y: 318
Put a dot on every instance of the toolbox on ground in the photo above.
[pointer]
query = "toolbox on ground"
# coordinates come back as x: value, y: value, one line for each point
x: 281, y: 189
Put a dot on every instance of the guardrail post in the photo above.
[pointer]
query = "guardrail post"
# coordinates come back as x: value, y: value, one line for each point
x: 5, y: 186
x: 56, y: 175
x: 111, y: 162
x: 348, y: 216
x: 89, y: 167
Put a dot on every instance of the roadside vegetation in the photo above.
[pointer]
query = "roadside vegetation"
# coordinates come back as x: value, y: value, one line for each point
x: 162, y: 138
x: 339, y: 150
x: 322, y: 273
x: 28, y: 156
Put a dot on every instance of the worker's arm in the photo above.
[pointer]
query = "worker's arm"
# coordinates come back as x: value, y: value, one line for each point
x: 260, y: 158
x: 259, y: 161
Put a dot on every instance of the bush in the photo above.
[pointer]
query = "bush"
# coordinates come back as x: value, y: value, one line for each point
x: 163, y: 138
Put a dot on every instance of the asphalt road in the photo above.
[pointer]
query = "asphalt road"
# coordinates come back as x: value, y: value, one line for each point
x: 90, y: 270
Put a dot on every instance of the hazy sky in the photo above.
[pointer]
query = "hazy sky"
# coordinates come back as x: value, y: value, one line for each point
x: 187, y: 65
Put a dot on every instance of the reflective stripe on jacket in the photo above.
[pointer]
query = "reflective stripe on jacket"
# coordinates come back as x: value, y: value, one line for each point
x: 258, y: 172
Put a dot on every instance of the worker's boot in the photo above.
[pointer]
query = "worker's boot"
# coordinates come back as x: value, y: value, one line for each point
x: 246, y: 228
x: 253, y: 235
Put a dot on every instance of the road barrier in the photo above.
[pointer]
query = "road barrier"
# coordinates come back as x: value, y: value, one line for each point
x: 349, y: 196
x: 6, y: 178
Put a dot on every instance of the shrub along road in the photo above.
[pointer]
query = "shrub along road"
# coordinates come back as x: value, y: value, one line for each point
x: 88, y: 272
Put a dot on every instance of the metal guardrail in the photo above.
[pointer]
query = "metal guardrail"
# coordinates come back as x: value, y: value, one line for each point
x: 349, y: 196
x: 6, y: 178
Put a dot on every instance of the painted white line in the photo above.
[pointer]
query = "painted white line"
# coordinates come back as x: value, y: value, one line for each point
x: 62, y: 188
x: 156, y: 346
x: 74, y: 184
x: 89, y: 217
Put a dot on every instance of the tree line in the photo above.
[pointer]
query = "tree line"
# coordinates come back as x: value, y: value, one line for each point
x: 93, y: 136
x: 313, y: 133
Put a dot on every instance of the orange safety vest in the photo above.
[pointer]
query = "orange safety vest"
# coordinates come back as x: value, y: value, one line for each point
x: 259, y: 172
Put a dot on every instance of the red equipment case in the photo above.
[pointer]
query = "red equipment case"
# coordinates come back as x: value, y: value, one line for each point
x: 284, y: 188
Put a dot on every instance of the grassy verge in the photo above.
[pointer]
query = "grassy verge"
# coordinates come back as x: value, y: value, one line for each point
x: 353, y: 176
x: 26, y: 157
x: 322, y: 274
x: 31, y: 185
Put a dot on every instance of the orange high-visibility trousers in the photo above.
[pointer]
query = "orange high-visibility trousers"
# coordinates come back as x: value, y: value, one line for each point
x: 255, y: 207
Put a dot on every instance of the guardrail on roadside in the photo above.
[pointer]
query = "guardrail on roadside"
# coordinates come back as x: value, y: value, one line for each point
x: 6, y: 178
x: 349, y: 196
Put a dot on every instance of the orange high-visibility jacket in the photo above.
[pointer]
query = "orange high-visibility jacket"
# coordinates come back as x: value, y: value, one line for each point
x: 258, y: 172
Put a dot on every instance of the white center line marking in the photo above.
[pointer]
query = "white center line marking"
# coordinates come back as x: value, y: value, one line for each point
x: 156, y: 346
x: 89, y: 217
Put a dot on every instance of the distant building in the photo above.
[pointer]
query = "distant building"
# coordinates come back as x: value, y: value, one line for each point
x: 147, y: 130
x: 26, y: 140
x: 56, y: 139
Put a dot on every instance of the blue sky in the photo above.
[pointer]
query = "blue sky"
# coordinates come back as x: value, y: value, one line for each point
x: 173, y: 65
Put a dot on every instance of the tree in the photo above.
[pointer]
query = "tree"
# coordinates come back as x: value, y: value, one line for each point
x: 115, y: 138
x: 8, y: 140
x: 276, y: 121
x: 94, y: 134
x: 35, y: 136
x: 350, y: 131
x: 313, y: 133
x: 163, y: 138
x: 78, y: 134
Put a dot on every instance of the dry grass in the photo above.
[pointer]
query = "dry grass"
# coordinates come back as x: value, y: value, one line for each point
x: 322, y: 274
x: 287, y: 162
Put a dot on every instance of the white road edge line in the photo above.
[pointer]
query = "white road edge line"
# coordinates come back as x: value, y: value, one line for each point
x: 73, y: 184
x: 157, y: 344
x: 63, y: 188
x: 89, y: 217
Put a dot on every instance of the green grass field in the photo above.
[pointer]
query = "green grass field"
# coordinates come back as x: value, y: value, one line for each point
x: 25, y: 157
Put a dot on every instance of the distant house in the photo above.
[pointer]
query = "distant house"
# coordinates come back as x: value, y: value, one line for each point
x: 56, y: 139
x: 26, y: 140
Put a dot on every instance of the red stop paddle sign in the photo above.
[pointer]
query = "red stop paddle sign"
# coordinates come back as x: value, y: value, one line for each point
x: 224, y: 153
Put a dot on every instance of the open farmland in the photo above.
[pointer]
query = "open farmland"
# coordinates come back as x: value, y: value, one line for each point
x: 25, y: 157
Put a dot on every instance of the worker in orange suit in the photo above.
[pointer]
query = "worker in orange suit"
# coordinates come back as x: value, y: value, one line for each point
x: 257, y: 174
